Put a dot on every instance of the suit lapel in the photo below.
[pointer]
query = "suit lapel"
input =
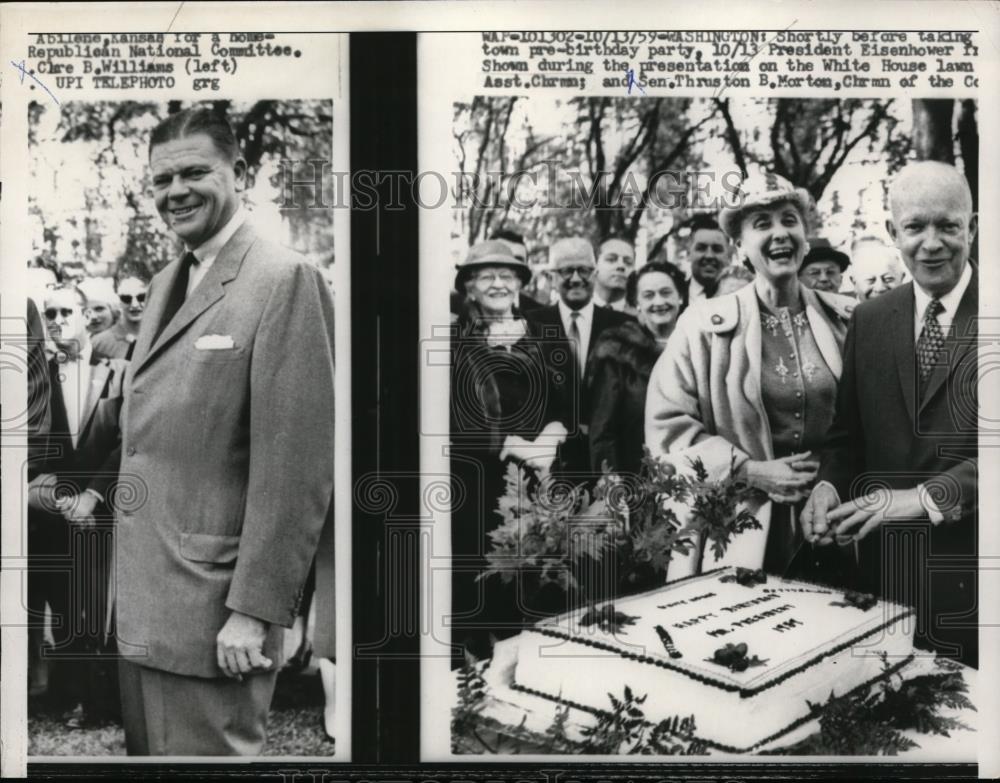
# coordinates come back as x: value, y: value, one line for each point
x: 206, y: 293
x: 961, y: 339
x: 99, y: 374
x: 596, y: 325
x: 901, y: 332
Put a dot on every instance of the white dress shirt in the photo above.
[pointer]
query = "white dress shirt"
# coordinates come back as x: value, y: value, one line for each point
x: 74, y: 381
x: 618, y: 304
x: 584, y: 323
x: 949, y: 302
x: 695, y: 290
x: 208, y: 251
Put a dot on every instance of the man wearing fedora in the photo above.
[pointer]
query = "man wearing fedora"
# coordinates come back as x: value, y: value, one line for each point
x: 823, y: 267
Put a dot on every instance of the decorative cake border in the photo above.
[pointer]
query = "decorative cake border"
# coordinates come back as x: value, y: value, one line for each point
x: 885, y: 674
x: 708, y: 680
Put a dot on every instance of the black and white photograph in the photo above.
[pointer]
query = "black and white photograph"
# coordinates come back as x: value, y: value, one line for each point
x: 712, y: 421
x: 181, y: 266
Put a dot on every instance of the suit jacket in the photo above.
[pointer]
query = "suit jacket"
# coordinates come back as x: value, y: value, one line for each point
x: 113, y: 343
x: 704, y: 398
x: 234, y: 451
x: 887, y: 433
x: 85, y: 463
x: 575, y: 452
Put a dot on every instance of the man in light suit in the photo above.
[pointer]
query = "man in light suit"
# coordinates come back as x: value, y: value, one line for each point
x: 899, y: 472
x: 228, y: 421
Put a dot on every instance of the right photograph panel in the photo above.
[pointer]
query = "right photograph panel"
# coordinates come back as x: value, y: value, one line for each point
x: 700, y: 360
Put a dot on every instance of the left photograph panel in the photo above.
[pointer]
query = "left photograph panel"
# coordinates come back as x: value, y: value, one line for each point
x: 176, y: 391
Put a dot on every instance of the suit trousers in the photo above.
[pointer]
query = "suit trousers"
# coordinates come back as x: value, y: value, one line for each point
x: 167, y: 714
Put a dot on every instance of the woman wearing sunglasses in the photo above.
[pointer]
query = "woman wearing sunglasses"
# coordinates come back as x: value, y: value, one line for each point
x: 119, y: 341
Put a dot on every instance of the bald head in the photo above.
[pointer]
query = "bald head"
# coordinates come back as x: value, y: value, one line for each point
x: 876, y: 269
x: 928, y: 180
x: 932, y: 224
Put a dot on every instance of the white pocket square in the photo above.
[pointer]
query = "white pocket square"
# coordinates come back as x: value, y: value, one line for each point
x: 214, y: 342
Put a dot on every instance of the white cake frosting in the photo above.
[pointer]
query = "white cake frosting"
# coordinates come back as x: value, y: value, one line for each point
x: 802, y: 642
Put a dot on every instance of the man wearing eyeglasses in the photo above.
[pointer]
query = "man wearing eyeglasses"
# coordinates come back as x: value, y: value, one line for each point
x: 576, y: 318
x: 68, y: 551
x: 118, y: 342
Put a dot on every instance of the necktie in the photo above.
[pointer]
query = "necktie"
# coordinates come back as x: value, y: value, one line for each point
x: 931, y: 340
x: 575, y: 339
x: 177, y: 294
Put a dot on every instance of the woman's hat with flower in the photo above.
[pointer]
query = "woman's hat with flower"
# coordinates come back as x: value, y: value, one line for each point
x: 761, y: 190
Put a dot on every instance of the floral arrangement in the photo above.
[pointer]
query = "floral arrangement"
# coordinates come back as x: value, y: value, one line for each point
x: 734, y: 657
x: 555, y: 534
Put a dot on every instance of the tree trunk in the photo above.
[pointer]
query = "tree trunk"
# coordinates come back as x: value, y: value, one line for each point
x: 932, y: 137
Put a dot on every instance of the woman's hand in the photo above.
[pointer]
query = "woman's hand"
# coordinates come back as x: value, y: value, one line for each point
x: 539, y: 453
x: 785, y: 480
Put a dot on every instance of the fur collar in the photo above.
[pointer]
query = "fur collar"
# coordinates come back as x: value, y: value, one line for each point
x: 628, y: 345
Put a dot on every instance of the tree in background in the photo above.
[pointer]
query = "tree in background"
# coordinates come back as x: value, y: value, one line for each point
x: 90, y: 198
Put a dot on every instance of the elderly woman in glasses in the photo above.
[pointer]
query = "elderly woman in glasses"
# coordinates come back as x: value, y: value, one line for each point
x: 509, y: 394
x: 749, y: 381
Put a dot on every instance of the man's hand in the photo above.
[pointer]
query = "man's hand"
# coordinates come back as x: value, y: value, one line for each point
x: 785, y: 480
x: 79, y: 509
x: 239, y: 646
x: 855, y: 519
x: 41, y: 493
x: 814, y: 517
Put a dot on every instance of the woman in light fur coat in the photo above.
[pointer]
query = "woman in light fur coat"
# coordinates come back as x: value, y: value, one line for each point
x: 749, y: 380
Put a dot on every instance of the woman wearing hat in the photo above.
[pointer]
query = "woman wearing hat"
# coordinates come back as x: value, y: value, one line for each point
x: 510, y: 395
x: 749, y: 380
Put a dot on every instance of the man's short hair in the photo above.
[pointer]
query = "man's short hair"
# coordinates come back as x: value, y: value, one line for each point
x: 81, y: 297
x: 509, y: 235
x: 189, y: 122
x: 615, y: 235
x: 706, y: 222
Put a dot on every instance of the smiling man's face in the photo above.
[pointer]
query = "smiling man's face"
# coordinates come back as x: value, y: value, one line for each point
x: 195, y: 186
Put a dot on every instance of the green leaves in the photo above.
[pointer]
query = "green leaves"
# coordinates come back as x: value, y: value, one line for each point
x: 870, y: 722
x: 625, y: 730
x: 551, y: 534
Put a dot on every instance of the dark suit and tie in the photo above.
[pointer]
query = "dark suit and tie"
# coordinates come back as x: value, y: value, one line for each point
x: 574, y: 453
x: 69, y: 563
x: 906, y: 424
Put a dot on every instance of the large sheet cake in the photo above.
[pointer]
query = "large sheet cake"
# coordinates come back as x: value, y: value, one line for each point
x: 743, y: 652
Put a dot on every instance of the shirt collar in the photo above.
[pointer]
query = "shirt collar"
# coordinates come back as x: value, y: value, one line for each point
x: 949, y: 301
x: 208, y: 250
x: 618, y: 305
x: 585, y: 312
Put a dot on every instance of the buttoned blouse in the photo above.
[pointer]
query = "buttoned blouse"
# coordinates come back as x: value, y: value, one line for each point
x: 797, y: 387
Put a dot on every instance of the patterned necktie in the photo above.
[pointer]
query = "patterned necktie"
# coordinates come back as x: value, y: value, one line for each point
x: 575, y: 339
x: 177, y: 294
x: 931, y: 340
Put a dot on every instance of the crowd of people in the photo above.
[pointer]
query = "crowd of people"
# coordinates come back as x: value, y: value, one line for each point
x: 169, y: 540
x: 755, y: 360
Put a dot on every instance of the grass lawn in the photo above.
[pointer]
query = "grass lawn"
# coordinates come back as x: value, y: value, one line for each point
x: 295, y: 727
